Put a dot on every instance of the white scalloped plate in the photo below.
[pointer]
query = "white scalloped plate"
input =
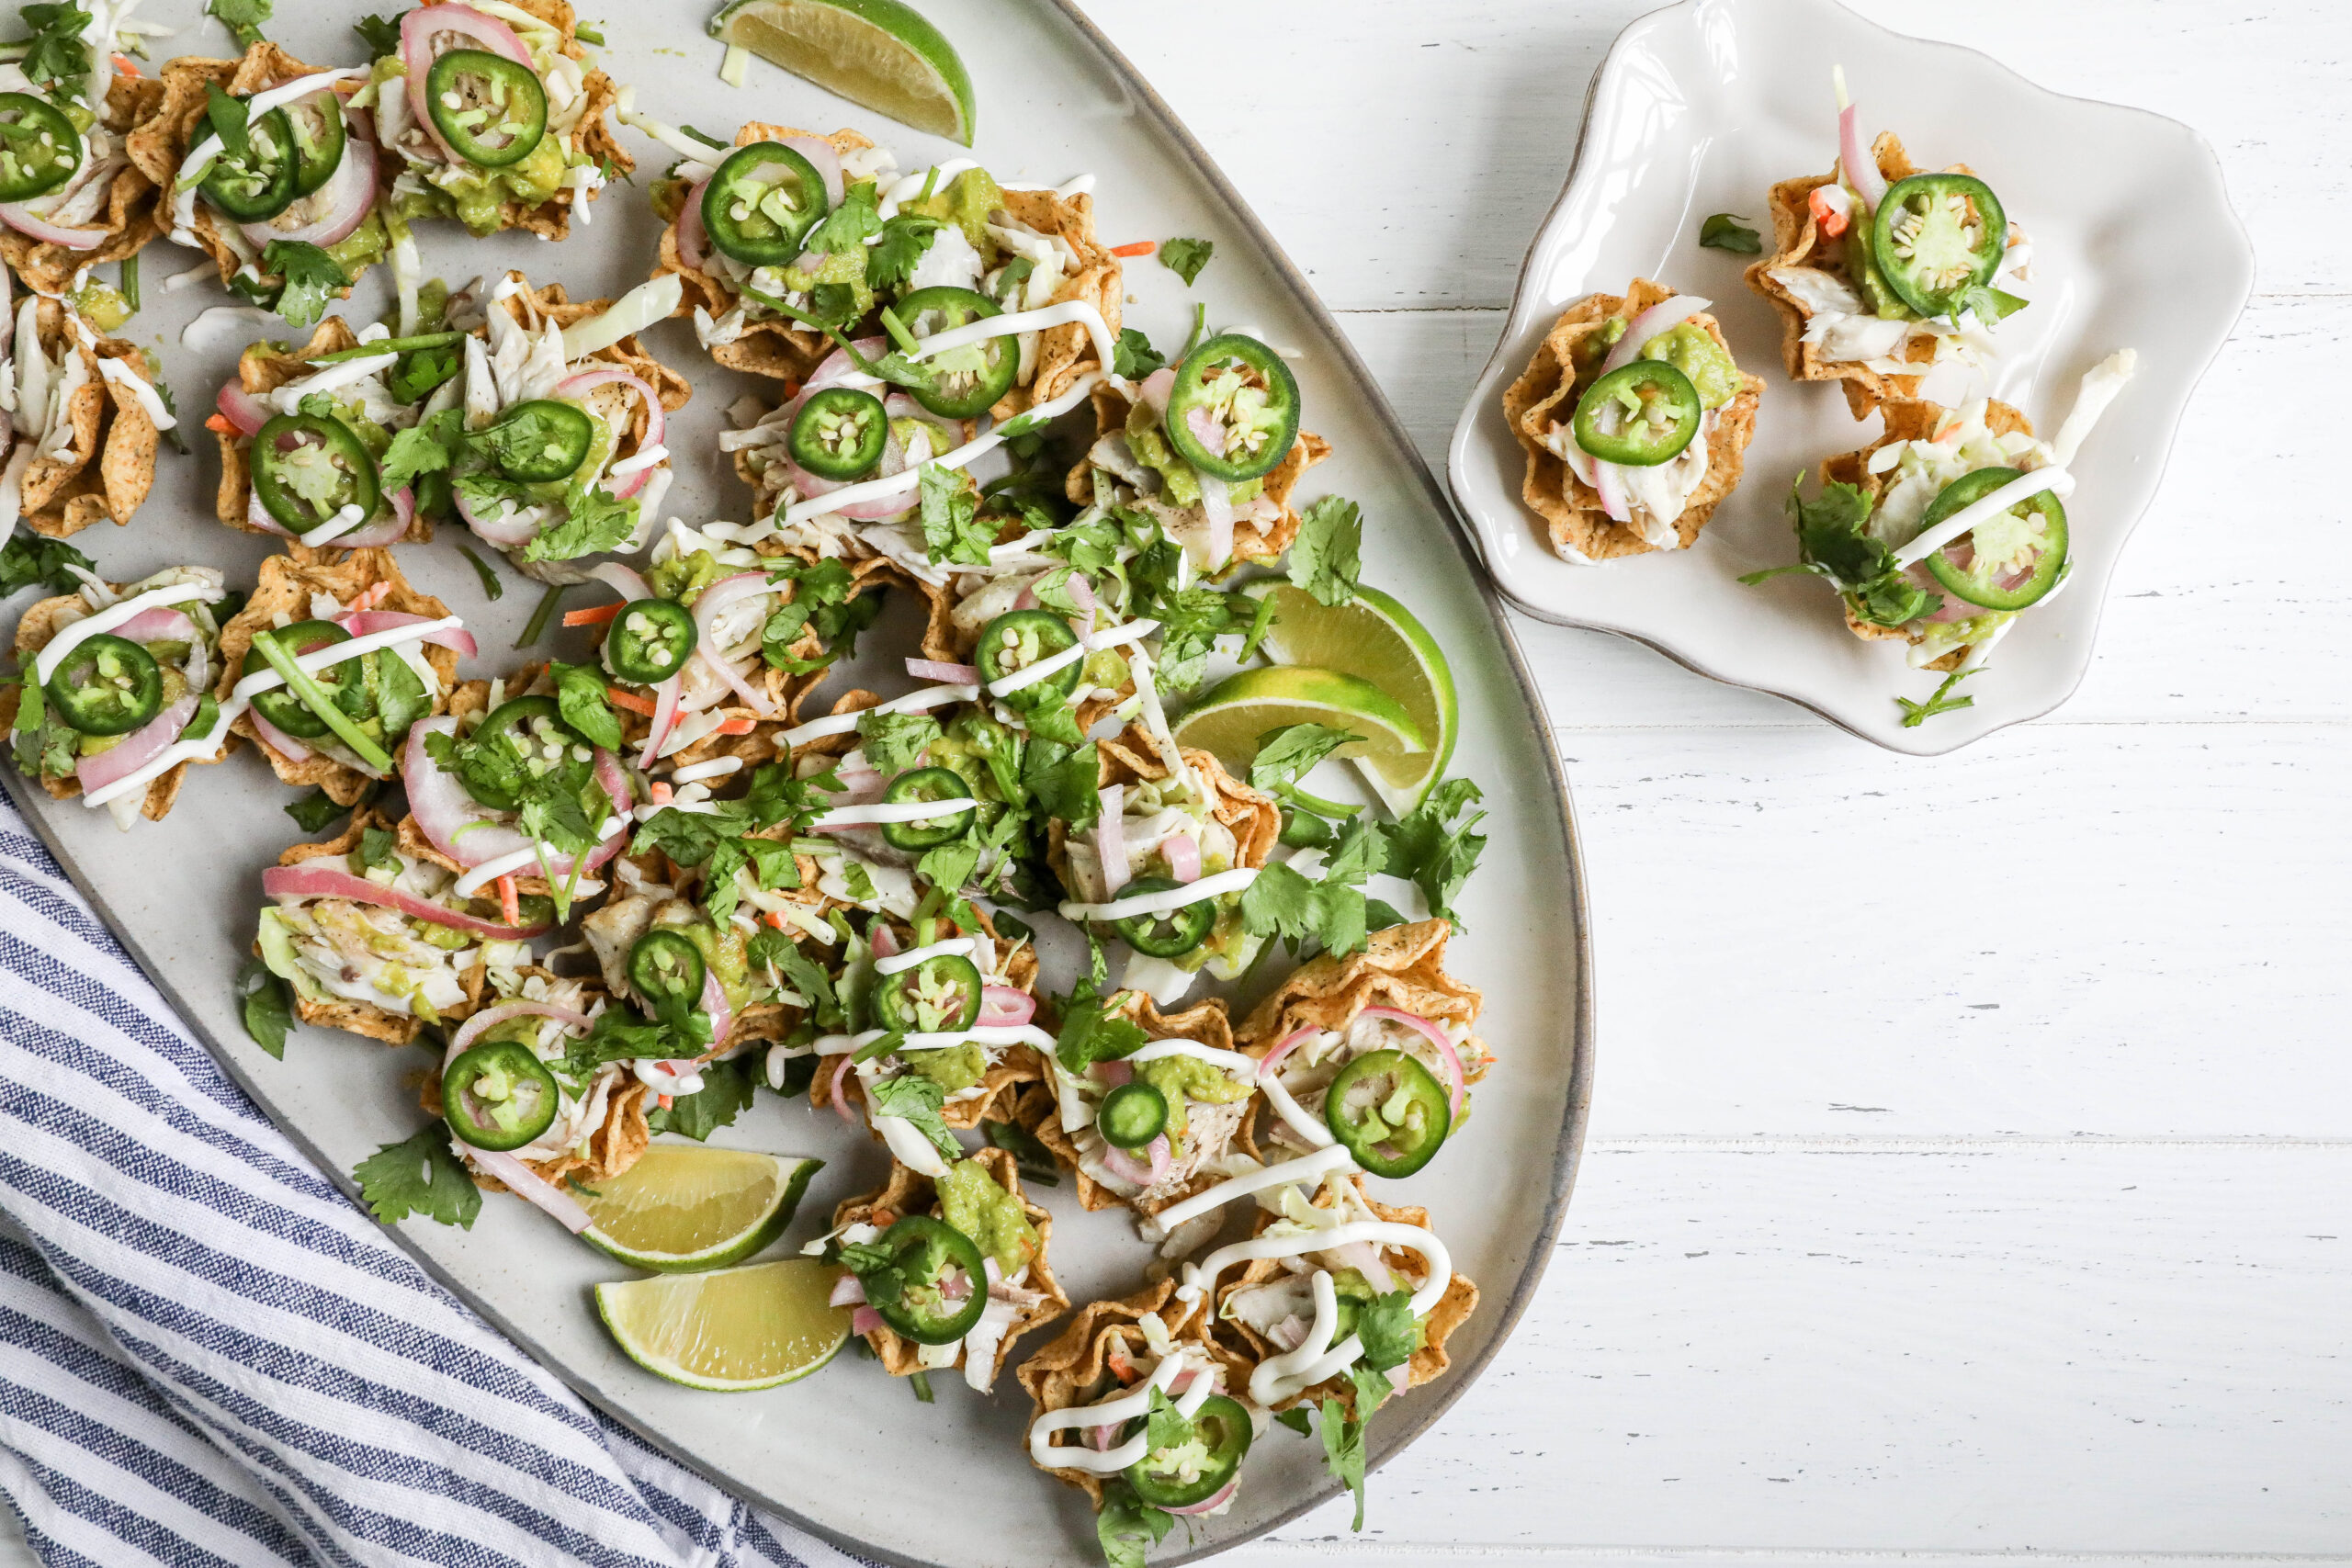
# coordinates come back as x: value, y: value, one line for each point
x: 1698, y: 109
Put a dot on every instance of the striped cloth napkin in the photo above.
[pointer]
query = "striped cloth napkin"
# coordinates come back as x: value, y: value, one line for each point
x: 210, y: 1356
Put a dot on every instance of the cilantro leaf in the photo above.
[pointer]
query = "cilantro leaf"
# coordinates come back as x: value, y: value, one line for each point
x: 419, y: 1176
x: 800, y: 972
x: 28, y: 559
x: 1133, y: 356
x: 58, y: 49
x: 595, y: 522
x: 1035, y: 1160
x: 1186, y: 257
x: 381, y: 37
x: 310, y: 277
x: 1722, y: 232
x: 1343, y: 1451
x: 244, y: 18
x: 227, y: 116
x: 1917, y: 714
x: 315, y: 811
x: 1433, y: 847
x: 421, y: 449
x: 725, y: 1093
x: 916, y: 1101
x: 1297, y: 1419
x: 952, y: 529
x: 579, y: 698
x: 1286, y: 754
x: 415, y: 374
x: 1089, y: 1034
x: 377, y: 847
x: 892, y: 260
x: 687, y: 837
x: 894, y: 741
x: 1389, y: 1334
x: 1127, y: 1527
x: 1833, y: 542
x: 1062, y: 781
x: 267, y: 1003
x: 848, y: 226
x: 1164, y: 1425
x: 1326, y: 558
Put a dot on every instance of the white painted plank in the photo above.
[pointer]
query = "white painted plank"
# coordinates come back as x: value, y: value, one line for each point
x: 1460, y: 119
x: 2202, y: 624
x: 2098, y: 1349
x: 2067, y: 928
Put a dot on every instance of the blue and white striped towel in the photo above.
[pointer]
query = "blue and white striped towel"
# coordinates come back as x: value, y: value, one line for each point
x: 210, y: 1356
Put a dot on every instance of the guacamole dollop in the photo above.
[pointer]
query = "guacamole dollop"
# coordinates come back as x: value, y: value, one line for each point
x: 971, y: 1201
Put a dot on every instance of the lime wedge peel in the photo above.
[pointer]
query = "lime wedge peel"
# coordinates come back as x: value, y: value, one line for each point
x: 880, y: 54
x: 683, y: 1208
x: 731, y: 1330
x: 1232, y: 717
x: 1377, y: 640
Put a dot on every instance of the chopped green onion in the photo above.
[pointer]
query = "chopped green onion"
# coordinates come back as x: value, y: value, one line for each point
x: 492, y: 587
x: 320, y: 701
x: 385, y: 346
x: 541, y: 616
x: 589, y: 35
x: 920, y: 1384
x: 130, y: 283
x: 1200, y: 329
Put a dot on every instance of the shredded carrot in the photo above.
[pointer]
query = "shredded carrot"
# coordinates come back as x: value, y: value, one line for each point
x: 219, y: 424
x: 594, y: 617
x: 733, y: 726
x: 371, y: 597
x: 1832, y: 221
x: 774, y: 918
x: 510, y: 907
x: 1141, y: 248
x: 122, y: 64
x: 629, y: 699
x: 665, y: 1103
x: 661, y: 793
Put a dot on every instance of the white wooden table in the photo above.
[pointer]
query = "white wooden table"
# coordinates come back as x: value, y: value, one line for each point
x: 1972, y: 1166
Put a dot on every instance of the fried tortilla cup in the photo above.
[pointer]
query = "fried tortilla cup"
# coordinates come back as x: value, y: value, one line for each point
x: 991, y: 1098
x: 1399, y: 970
x: 597, y: 147
x: 1262, y: 531
x: 1096, y: 1355
x: 771, y: 346
x: 608, y: 1122
x: 467, y: 699
x: 1429, y: 1360
x: 910, y: 1192
x: 160, y: 142
x: 1798, y: 242
x: 1909, y: 421
x: 1542, y: 402
x: 35, y: 630
x: 288, y: 591
x: 264, y: 368
x: 97, y: 461
x: 128, y: 221
x: 1212, y: 1130
x: 363, y: 1018
x: 1067, y: 352
x: 1254, y: 819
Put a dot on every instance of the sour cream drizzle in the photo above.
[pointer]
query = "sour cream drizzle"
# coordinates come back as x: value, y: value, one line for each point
x: 46, y: 661
x: 898, y: 963
x: 970, y: 452
x: 1166, y: 902
x: 843, y: 723
x: 891, y: 811
x: 1305, y: 1171
x: 2055, y: 480
x: 1135, y: 1402
x: 1200, y: 1278
x: 318, y: 659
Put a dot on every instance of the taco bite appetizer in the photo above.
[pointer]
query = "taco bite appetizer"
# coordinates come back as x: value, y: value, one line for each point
x: 946, y: 1271
x: 1948, y: 527
x: 71, y: 197
x: 81, y: 428
x: 1636, y: 419
x: 1882, y: 271
x: 115, y: 703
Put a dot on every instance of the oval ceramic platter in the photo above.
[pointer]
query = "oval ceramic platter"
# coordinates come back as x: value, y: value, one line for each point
x: 1054, y: 100
x: 1699, y: 109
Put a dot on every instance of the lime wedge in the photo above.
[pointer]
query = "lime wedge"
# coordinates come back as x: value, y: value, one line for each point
x: 732, y: 1329
x: 879, y: 53
x: 1375, y: 640
x: 1237, y: 711
x: 684, y: 1207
